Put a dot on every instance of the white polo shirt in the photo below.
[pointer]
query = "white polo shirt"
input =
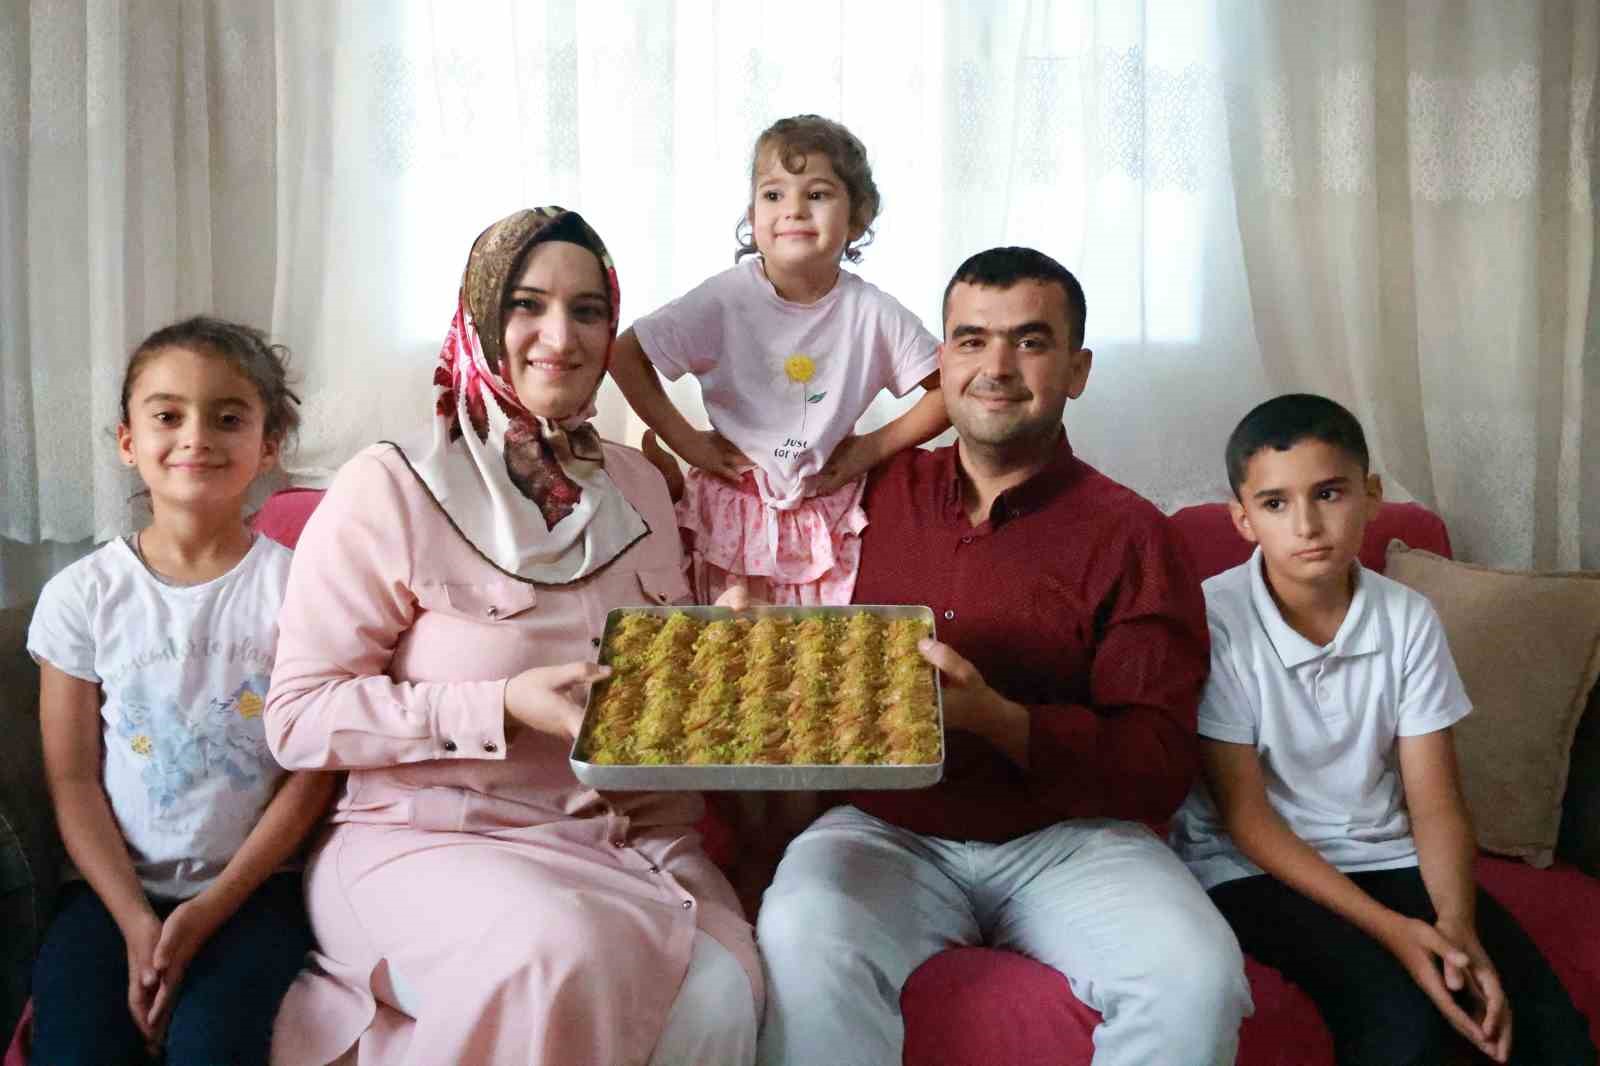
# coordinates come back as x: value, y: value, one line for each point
x: 1324, y: 720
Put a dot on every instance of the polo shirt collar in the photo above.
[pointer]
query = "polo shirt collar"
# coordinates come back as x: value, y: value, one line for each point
x: 1031, y: 495
x: 1357, y: 634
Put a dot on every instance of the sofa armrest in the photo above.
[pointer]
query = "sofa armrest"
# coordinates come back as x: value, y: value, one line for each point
x: 30, y: 849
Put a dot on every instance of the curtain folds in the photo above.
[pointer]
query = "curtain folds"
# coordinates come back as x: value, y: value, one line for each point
x: 1389, y: 203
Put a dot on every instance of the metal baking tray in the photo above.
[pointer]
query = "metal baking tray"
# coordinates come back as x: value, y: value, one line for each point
x: 759, y: 776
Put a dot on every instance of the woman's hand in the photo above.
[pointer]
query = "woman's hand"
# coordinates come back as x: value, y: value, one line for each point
x: 713, y: 453
x: 550, y: 698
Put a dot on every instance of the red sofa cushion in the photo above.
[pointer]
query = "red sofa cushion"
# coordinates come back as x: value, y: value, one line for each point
x: 1214, y: 545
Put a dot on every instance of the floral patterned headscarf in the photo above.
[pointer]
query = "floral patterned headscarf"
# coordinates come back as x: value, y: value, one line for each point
x: 530, y: 493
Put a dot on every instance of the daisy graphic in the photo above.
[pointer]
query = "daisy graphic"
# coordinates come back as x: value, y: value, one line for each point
x: 800, y: 369
x: 140, y: 744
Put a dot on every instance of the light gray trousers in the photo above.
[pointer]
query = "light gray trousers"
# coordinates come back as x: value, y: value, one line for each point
x: 858, y: 904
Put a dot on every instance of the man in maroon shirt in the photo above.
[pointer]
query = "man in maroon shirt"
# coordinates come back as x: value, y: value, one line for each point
x: 1073, y: 651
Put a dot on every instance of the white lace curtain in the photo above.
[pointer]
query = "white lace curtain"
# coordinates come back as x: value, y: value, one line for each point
x: 1390, y: 203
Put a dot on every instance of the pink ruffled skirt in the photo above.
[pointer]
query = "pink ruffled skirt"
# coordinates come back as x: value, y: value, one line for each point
x: 807, y: 556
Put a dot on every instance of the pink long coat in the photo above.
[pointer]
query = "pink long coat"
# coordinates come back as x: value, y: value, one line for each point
x: 529, y: 918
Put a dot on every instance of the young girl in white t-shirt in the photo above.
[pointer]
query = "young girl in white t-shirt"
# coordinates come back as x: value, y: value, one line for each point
x: 789, y: 350
x: 178, y: 925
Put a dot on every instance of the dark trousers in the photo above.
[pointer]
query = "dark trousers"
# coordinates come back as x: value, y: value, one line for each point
x: 225, y: 1007
x: 1377, y: 1014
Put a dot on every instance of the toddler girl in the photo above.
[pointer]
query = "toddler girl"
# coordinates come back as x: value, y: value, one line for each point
x: 789, y: 350
x: 178, y: 923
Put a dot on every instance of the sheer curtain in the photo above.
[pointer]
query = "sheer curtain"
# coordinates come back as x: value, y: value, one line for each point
x: 1416, y: 202
x: 1389, y: 203
x: 136, y: 186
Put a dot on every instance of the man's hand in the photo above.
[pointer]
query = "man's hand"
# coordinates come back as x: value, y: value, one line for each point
x: 1433, y: 961
x: 140, y: 937
x: 851, y: 458
x: 713, y: 453
x: 972, y: 706
x: 548, y: 698
x: 183, y: 934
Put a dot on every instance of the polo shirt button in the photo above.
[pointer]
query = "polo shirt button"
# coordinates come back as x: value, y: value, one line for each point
x: 490, y: 746
x: 688, y: 903
x: 449, y: 745
x: 493, y: 611
x: 949, y: 615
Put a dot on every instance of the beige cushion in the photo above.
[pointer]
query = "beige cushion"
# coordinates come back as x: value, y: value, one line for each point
x: 1528, y: 648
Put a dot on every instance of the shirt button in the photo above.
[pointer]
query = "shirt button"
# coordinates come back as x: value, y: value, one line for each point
x: 654, y: 868
x: 618, y: 842
x: 688, y: 903
x: 490, y: 746
x: 966, y: 540
x: 949, y: 615
x: 594, y: 641
x: 449, y: 745
x: 493, y: 611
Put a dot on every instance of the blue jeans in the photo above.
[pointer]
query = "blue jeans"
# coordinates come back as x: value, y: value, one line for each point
x: 224, y: 1010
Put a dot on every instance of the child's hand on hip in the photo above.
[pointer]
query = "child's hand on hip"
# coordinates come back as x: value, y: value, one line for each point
x: 853, y: 457
x: 715, y: 454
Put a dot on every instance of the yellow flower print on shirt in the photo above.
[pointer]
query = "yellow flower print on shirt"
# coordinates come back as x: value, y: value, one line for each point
x: 140, y: 744
x: 249, y: 705
x: 799, y: 368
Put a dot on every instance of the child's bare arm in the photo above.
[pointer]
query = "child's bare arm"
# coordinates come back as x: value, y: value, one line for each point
x: 854, y: 456
x: 69, y: 722
x: 1442, y: 829
x: 1233, y: 774
x: 642, y: 388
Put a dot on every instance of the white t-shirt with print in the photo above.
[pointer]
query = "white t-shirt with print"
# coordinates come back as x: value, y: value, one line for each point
x: 1323, y: 720
x: 786, y: 382
x: 183, y: 672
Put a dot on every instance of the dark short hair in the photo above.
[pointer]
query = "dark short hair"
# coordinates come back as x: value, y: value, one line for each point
x: 1001, y: 268
x: 795, y: 138
x: 1283, y: 422
x: 242, y: 347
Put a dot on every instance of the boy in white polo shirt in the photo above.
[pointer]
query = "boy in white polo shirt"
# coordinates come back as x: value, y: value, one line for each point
x: 1329, y: 826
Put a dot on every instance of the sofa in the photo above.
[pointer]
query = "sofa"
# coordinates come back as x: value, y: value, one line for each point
x: 966, y: 1006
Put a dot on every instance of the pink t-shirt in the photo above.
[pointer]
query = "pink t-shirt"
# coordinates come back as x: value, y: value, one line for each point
x: 786, y: 382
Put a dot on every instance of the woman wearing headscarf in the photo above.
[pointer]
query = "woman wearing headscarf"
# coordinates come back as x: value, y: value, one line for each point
x: 473, y: 902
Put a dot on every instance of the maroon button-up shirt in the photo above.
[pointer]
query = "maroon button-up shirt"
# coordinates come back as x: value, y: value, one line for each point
x: 1075, y: 599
